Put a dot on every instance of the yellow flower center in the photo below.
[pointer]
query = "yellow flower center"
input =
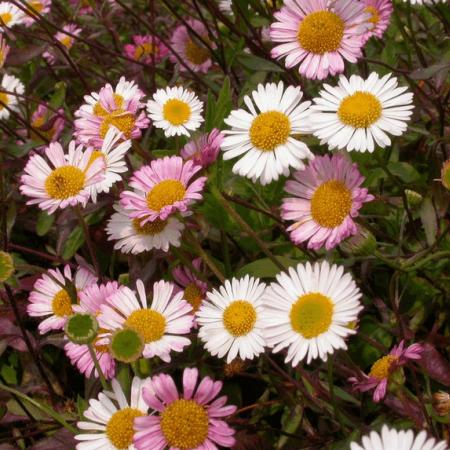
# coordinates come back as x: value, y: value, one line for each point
x: 3, y: 100
x: 269, y: 130
x: 331, y: 204
x: 145, y: 49
x: 239, y: 318
x: 148, y: 323
x: 311, y: 315
x: 99, y: 111
x: 64, y: 182
x: 176, y: 112
x: 360, y: 110
x: 38, y: 123
x: 37, y: 6
x: 119, y: 428
x: 6, y: 17
x: 165, y: 193
x: 150, y: 228
x: 193, y: 295
x: 375, y: 18
x: 382, y: 368
x: 66, y: 41
x: 321, y: 32
x: 123, y: 120
x: 196, y: 54
x: 62, y: 304
x: 185, y: 424
x: 101, y: 348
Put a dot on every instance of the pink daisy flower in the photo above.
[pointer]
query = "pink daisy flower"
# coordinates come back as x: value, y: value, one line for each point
x: 162, y: 188
x: 52, y: 54
x: 319, y: 35
x: 50, y: 298
x: 144, y: 47
x: 194, y: 290
x: 120, y: 107
x: 91, y: 300
x: 327, y: 198
x: 204, y: 149
x: 81, y: 7
x: 192, y: 420
x: 47, y: 123
x: 162, y: 322
x: 381, y: 11
x: 40, y: 6
x: 191, y: 50
x: 66, y: 183
x: 382, y: 370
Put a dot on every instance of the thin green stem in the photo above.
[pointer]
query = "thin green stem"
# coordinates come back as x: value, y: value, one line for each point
x: 101, y: 375
x: 332, y: 393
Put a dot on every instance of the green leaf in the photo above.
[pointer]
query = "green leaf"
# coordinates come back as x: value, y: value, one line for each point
x: 428, y: 72
x: 73, y: 243
x: 406, y: 172
x: 44, y: 223
x: 429, y: 221
x: 58, y: 97
x: 223, y: 106
x: 265, y: 267
x: 256, y: 63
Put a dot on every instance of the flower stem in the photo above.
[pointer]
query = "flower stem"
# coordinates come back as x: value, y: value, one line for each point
x: 101, y: 375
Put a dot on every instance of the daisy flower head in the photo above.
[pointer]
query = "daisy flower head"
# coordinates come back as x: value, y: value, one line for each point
x: 308, y: 311
x: 9, y: 101
x: 382, y: 370
x: 424, y: 2
x: 162, y: 323
x: 231, y: 320
x: 134, y: 238
x: 4, y: 50
x: 194, y: 290
x: 226, y: 6
x: 204, y: 149
x: 50, y: 297
x: 327, y: 197
x: 41, y: 7
x: 112, y: 152
x: 187, y: 45
x: 118, y: 107
x: 175, y: 110
x: 318, y: 35
x: 389, y: 439
x: 381, y: 11
x: 192, y: 419
x: 91, y: 299
x: 268, y: 138
x: 48, y: 123
x: 65, y: 39
x: 146, y: 49
x: 10, y: 15
x: 61, y: 180
x: 111, y: 417
x: 357, y: 113
x: 162, y: 188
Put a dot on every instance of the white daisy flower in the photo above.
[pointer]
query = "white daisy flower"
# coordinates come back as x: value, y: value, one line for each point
x: 175, y: 110
x: 113, y: 153
x: 10, y: 15
x: 390, y: 439
x: 231, y: 319
x: 162, y: 323
x: 226, y: 6
x: 424, y: 2
x: 10, y: 84
x: 358, y: 113
x: 132, y: 237
x: 268, y: 138
x: 110, y: 419
x: 308, y: 311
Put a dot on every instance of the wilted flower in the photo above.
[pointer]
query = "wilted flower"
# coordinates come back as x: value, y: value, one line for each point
x: 204, y: 149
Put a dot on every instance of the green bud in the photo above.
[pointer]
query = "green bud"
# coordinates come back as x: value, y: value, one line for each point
x: 363, y: 243
x: 126, y: 345
x: 445, y: 174
x: 81, y: 328
x: 413, y: 198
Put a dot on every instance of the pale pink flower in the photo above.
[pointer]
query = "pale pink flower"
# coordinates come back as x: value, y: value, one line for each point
x: 381, y: 11
x: 162, y: 188
x: 327, y: 197
x: 318, y: 35
x: 190, y: 48
x: 47, y: 123
x: 91, y: 300
x: 42, y: 7
x: 118, y: 107
x: 54, y: 53
x: 50, y: 298
x: 381, y: 371
x: 191, y: 420
x: 204, y: 149
x: 144, y: 47
x: 60, y: 179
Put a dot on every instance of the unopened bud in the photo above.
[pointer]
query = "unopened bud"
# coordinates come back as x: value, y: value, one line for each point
x: 363, y: 243
x: 441, y: 403
x: 126, y: 345
x: 413, y: 198
x: 81, y: 328
x: 445, y: 174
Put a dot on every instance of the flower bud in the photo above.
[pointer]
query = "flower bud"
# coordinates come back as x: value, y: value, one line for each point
x: 126, y: 345
x: 441, y: 403
x: 445, y: 174
x: 363, y: 243
x: 81, y: 328
x: 413, y: 198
